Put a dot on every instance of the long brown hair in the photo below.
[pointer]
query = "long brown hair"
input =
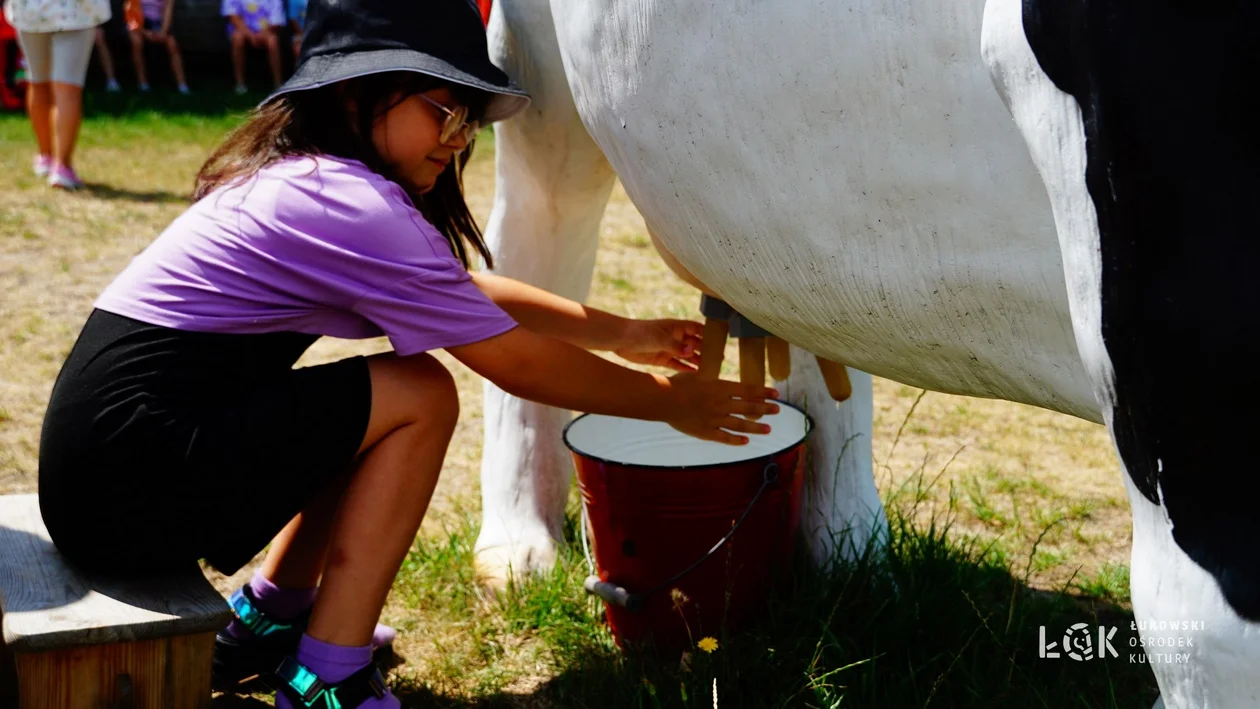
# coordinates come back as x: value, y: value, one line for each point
x: 320, y: 122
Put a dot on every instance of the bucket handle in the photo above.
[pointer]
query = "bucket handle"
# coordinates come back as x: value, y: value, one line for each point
x: 613, y: 594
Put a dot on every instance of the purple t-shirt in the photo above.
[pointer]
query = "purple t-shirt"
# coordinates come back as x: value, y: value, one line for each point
x: 320, y: 246
x: 257, y: 15
x: 153, y: 9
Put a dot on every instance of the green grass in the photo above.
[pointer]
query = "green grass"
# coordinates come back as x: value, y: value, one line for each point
x: 111, y: 120
x: 1111, y: 583
x: 928, y: 621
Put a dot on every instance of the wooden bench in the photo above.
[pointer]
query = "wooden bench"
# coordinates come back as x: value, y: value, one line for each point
x: 85, y: 642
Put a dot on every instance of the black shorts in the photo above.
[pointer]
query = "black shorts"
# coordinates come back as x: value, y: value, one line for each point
x: 161, y: 447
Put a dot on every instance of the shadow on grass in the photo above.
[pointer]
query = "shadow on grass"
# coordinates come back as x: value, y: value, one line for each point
x: 926, y: 621
x: 112, y: 192
x: 213, y: 102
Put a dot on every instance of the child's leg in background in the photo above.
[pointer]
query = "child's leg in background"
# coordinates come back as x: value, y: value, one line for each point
x: 177, y: 62
x: 137, y: 58
x: 37, y: 48
x: 272, y: 43
x: 71, y: 52
x: 239, y: 44
x: 39, y: 104
x: 107, y: 60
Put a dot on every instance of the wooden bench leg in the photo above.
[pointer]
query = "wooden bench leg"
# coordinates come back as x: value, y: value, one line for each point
x: 8, y: 679
x: 168, y: 673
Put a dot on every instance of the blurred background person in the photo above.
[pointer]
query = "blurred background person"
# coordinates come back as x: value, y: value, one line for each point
x: 153, y: 24
x: 254, y: 23
x: 56, y: 37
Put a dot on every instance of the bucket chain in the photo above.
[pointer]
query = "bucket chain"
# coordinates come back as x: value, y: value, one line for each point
x: 619, y: 596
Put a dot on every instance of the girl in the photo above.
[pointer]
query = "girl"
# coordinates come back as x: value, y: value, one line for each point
x: 178, y: 429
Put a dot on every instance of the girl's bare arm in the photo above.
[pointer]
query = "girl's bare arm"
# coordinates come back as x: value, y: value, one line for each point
x: 549, y: 371
x: 552, y: 315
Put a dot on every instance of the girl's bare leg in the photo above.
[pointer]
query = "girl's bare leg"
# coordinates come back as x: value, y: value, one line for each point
x: 360, y: 529
x: 295, y: 558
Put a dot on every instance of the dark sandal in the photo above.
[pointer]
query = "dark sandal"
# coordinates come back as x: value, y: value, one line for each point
x: 303, y: 689
x: 242, y: 664
x: 247, y: 665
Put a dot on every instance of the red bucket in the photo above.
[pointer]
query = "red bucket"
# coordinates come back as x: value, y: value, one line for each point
x: 688, y: 535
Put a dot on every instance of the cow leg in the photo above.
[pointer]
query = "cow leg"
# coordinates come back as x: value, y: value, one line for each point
x: 1201, y: 652
x: 551, y: 186
x: 1100, y: 156
x: 843, y: 512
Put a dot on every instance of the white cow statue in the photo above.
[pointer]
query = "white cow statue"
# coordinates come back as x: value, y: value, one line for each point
x: 1034, y: 200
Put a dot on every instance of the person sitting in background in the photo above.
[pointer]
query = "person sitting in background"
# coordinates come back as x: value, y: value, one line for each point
x: 253, y: 23
x: 297, y: 20
x: 153, y: 24
x: 107, y: 61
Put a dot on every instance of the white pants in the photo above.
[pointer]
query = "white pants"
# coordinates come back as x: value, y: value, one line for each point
x: 61, y: 57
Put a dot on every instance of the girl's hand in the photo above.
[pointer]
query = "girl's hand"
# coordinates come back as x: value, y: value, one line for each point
x: 664, y: 343
x: 710, y: 409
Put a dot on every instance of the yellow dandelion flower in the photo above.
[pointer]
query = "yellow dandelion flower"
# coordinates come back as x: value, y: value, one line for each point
x: 651, y: 688
x: 678, y: 596
x: 708, y: 644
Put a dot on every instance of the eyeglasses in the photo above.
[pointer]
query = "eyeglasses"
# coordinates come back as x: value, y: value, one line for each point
x: 456, y: 123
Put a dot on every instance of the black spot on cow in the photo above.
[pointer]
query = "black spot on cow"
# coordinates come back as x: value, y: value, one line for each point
x: 1170, y: 95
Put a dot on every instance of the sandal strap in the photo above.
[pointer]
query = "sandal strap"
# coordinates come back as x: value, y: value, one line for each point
x: 246, y: 610
x: 305, y: 687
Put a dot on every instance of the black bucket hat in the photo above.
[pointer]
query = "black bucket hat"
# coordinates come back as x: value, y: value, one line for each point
x: 344, y: 39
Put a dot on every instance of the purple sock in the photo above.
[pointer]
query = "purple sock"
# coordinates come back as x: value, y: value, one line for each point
x: 382, y: 635
x: 289, y: 603
x: 333, y: 663
x: 280, y: 603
